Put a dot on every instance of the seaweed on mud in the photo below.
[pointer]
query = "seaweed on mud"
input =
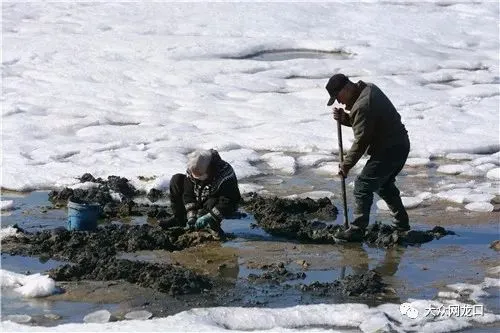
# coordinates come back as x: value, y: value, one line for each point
x: 356, y: 285
x: 298, y: 219
x: 115, y: 196
x: 162, y: 277
x: 292, y: 218
x: 383, y: 235
x: 93, y: 254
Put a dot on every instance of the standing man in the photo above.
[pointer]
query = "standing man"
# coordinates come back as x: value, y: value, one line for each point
x: 205, y: 195
x: 378, y: 131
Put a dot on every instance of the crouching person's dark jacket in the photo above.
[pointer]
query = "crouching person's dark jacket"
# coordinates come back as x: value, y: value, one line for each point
x: 218, y: 195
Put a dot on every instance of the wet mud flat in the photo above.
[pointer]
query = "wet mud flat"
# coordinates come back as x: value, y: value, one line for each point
x: 285, y: 256
x: 97, y: 272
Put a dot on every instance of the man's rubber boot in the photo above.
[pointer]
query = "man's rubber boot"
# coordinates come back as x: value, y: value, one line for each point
x: 401, y: 227
x: 351, y: 234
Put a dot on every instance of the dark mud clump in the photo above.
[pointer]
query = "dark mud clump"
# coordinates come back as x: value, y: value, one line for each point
x: 358, y: 285
x: 275, y: 274
x: 155, y: 195
x: 162, y: 277
x: 299, y: 219
x: 100, y: 193
x: 93, y: 254
x: 382, y: 235
x: 295, y: 218
x: 115, y: 196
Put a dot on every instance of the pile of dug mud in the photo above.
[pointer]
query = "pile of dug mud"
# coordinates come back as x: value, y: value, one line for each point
x: 275, y: 274
x: 309, y: 221
x: 115, y: 195
x: 93, y: 255
x: 357, y: 285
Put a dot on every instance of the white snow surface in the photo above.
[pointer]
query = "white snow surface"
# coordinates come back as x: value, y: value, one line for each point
x: 131, y: 88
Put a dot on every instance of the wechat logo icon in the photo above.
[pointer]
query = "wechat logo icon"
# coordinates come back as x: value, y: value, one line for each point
x: 408, y: 310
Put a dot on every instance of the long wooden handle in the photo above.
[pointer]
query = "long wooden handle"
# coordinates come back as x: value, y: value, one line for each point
x: 342, y: 179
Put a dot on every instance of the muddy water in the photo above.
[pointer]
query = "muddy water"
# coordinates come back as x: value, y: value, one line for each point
x: 414, y: 272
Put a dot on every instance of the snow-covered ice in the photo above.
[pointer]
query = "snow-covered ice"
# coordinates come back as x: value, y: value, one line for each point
x: 34, y: 285
x: 132, y: 88
x: 6, y: 205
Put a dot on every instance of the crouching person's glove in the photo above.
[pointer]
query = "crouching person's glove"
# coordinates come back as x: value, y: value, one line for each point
x: 204, y: 221
x: 191, y: 224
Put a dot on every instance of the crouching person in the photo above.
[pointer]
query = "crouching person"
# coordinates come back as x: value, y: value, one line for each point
x: 205, y: 195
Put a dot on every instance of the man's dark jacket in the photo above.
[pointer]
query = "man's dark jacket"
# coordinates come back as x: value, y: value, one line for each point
x: 376, y: 125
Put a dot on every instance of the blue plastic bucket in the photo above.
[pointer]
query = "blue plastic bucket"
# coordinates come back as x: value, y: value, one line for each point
x: 82, y: 216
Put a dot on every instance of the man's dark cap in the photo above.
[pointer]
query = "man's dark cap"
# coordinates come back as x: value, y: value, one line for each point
x: 334, y: 85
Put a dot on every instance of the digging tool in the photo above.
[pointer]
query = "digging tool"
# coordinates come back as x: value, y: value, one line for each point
x: 342, y: 178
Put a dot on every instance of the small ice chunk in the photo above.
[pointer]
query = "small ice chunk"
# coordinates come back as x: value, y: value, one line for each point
x: 84, y: 186
x: 139, y: 315
x: 452, y: 209
x: 35, y: 285
x: 478, y: 197
x: 328, y: 168
x: 452, y: 169
x: 6, y: 205
x: 448, y: 294
x: 52, y: 316
x: 408, y: 202
x: 494, y: 270
x: 7, y: 232
x: 424, y: 195
x: 315, y: 195
x: 493, y: 174
x: 415, y: 162
x: 472, y: 172
x: 314, y: 160
x: 461, y: 156
x: 479, y: 207
x: 486, y: 167
x: 455, y: 195
x: 442, y: 186
x: 101, y: 316
x: 20, y: 319
x: 247, y: 188
x: 487, y: 159
x: 280, y: 162
x: 115, y: 196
